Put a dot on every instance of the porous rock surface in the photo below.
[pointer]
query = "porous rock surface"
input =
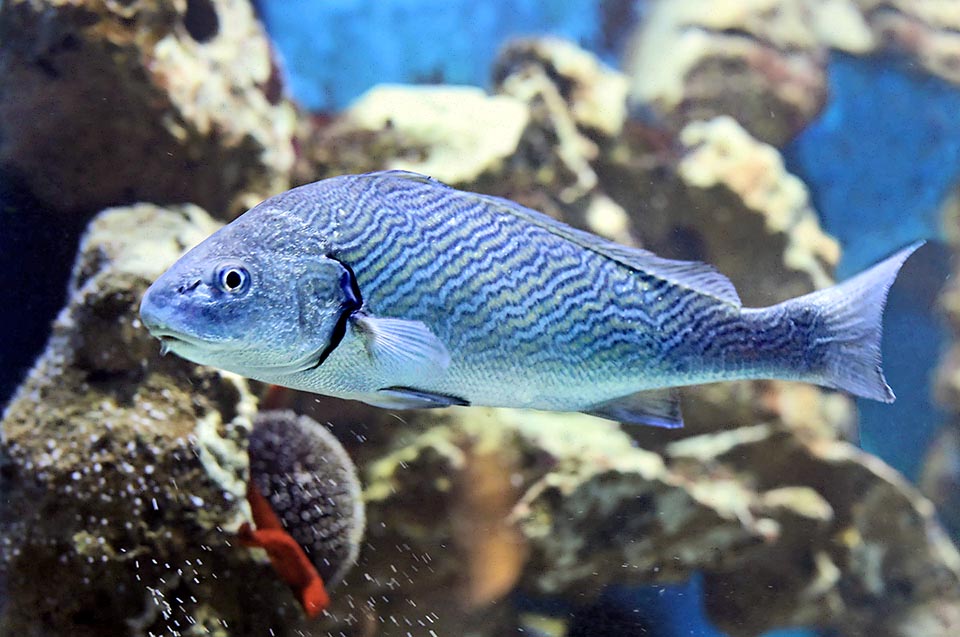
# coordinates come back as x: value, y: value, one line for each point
x: 452, y: 133
x: 123, y: 473
x: 735, y: 189
x: 940, y: 476
x: 759, y: 61
x: 105, y: 102
x: 787, y: 529
x: 763, y: 62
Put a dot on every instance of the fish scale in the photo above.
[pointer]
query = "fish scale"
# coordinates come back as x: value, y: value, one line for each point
x: 410, y: 293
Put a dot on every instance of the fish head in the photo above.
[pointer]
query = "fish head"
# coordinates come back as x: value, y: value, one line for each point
x: 261, y: 297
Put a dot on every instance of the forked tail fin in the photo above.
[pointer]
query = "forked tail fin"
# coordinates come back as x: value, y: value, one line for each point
x: 848, y: 344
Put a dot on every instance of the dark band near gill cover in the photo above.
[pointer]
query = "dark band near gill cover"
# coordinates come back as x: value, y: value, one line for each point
x: 353, y: 301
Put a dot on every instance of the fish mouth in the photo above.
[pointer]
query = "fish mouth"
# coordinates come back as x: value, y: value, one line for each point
x: 173, y: 341
x: 170, y: 337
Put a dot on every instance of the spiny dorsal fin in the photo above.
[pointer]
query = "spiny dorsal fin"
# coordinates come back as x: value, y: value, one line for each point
x: 692, y: 275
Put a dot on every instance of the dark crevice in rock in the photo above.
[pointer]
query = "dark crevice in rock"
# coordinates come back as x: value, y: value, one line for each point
x: 201, y: 20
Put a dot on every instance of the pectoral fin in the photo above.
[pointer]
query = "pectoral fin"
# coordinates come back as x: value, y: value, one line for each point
x: 403, y: 346
x: 410, y: 398
x: 658, y: 408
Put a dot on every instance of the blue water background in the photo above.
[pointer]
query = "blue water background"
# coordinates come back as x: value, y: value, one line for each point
x: 336, y: 49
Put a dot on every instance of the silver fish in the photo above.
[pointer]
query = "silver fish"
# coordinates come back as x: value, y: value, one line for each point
x: 396, y: 290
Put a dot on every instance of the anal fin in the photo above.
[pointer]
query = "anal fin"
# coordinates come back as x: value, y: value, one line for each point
x: 657, y: 408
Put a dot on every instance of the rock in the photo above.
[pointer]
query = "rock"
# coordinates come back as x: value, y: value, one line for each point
x: 881, y: 557
x: 787, y: 529
x: 720, y: 153
x: 575, y: 103
x: 758, y: 61
x: 455, y: 134
x: 927, y: 32
x: 940, y: 477
x: 123, y: 473
x: 728, y: 200
x: 161, y: 100
x: 555, y: 106
x: 595, y: 95
x: 763, y: 62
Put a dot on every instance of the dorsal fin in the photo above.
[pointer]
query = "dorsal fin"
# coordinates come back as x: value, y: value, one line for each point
x: 692, y: 275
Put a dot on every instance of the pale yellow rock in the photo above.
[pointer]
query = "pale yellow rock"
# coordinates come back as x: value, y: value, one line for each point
x: 600, y: 102
x: 840, y: 25
x: 463, y: 131
x: 677, y: 34
x: 722, y: 153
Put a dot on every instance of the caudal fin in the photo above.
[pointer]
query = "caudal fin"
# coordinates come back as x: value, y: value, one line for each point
x: 853, y: 315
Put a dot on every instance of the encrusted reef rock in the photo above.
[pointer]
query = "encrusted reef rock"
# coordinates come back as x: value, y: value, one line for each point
x: 554, y: 109
x: 928, y: 32
x: 940, y: 479
x: 453, y: 133
x: 577, y: 106
x: 123, y: 473
x: 106, y: 102
x: 763, y: 61
x: 758, y: 60
x: 736, y: 188
x: 787, y: 529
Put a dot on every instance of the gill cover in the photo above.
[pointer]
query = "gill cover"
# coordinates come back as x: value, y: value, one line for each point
x: 327, y: 295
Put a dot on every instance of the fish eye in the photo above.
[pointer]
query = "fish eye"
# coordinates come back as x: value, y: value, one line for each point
x: 233, y: 279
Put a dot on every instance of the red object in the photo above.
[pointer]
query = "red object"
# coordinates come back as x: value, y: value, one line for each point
x: 277, y: 397
x: 289, y: 559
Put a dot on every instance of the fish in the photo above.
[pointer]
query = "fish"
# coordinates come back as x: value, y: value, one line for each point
x: 397, y: 290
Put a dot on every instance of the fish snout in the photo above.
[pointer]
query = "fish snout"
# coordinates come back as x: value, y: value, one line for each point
x: 161, y: 302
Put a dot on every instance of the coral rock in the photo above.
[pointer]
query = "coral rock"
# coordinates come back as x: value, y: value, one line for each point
x: 455, y: 134
x: 158, y: 100
x: 721, y: 154
x: 763, y: 61
x: 123, y: 473
x: 928, y: 32
x: 728, y: 200
x: 759, y: 61
x: 595, y: 95
x: 787, y: 529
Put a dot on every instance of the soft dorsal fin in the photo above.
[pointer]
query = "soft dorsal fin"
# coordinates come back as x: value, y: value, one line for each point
x: 693, y: 275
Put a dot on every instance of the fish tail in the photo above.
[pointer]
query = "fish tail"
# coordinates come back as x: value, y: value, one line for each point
x: 843, y: 348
